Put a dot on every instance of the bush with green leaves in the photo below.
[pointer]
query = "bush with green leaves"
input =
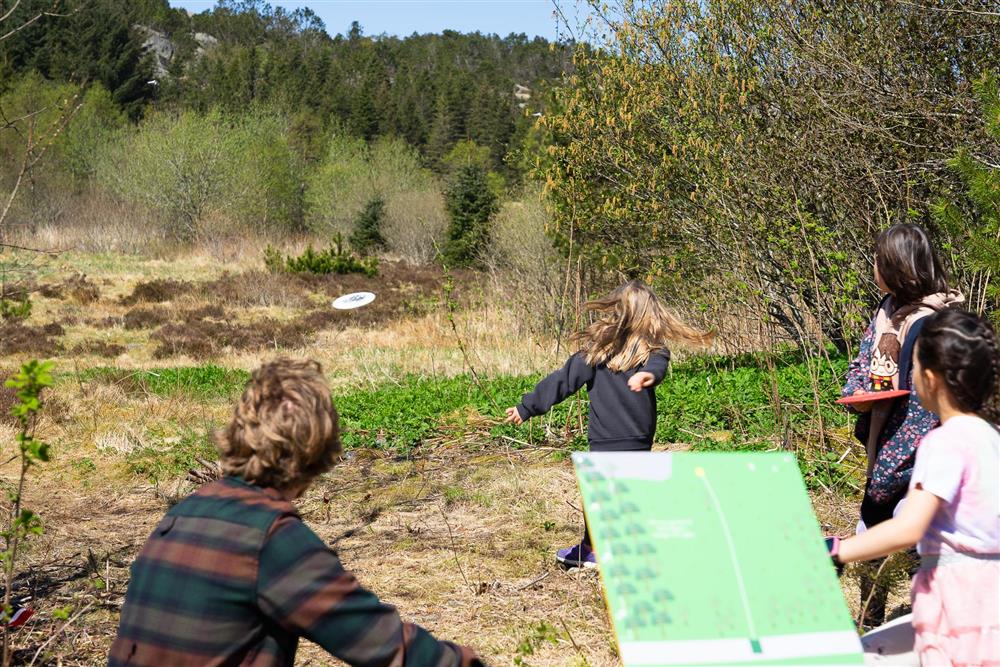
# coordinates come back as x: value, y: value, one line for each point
x: 354, y: 173
x: 267, y: 190
x: 29, y: 102
x: 89, y: 134
x: 186, y: 166
x: 15, y: 308
x: 180, y: 165
x: 466, y: 153
x: 754, y: 148
x: 471, y: 204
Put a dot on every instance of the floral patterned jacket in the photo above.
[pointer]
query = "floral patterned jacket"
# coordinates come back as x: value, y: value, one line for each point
x: 905, y: 428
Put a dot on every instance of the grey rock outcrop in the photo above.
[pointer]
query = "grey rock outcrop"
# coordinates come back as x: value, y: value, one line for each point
x: 160, y: 46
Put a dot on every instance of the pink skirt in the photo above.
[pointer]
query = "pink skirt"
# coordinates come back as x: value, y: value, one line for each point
x: 956, y: 612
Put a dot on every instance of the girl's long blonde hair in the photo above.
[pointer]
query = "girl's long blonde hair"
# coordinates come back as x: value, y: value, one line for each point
x: 633, y: 323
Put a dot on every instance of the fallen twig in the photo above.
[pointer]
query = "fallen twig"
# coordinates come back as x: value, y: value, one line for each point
x: 60, y: 632
x: 534, y: 581
x: 454, y: 550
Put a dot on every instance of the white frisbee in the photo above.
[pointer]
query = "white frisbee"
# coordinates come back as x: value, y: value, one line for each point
x: 353, y: 300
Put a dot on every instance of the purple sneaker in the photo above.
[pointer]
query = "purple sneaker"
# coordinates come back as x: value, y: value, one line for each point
x: 577, y: 556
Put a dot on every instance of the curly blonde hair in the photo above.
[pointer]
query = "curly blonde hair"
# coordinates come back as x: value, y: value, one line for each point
x: 284, y: 430
x: 633, y: 323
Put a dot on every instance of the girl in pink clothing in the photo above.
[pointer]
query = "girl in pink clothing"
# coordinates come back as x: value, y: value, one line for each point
x: 952, y: 510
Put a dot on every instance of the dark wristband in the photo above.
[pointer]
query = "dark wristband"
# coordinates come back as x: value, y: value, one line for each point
x: 833, y: 547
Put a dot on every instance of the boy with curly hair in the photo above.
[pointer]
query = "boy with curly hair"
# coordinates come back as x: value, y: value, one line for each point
x: 232, y: 576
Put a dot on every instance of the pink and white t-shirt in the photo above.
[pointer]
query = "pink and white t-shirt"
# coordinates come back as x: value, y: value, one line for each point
x: 959, y: 462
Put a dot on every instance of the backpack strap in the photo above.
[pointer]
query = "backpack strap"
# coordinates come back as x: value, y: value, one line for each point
x: 906, y: 354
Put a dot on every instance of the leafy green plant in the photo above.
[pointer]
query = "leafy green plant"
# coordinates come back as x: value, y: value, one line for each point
x: 180, y: 165
x: 20, y: 522
x: 334, y: 259
x: 657, y: 168
x: 204, y: 382
x: 712, y: 403
x: 274, y: 261
x: 354, y: 173
x: 541, y: 633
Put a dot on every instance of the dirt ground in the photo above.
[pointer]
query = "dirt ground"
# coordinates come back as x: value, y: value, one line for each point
x: 460, y: 536
x: 460, y: 539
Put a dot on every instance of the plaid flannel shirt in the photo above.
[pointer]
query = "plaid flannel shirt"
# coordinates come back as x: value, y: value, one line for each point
x: 232, y: 576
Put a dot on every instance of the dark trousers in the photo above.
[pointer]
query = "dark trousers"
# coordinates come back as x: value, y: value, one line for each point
x: 615, y: 446
x: 875, y: 590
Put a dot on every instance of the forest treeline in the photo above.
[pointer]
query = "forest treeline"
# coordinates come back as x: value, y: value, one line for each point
x: 431, y: 90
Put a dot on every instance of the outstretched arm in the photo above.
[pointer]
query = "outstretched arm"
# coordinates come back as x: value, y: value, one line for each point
x: 553, y: 389
x: 895, y: 534
x: 303, y: 588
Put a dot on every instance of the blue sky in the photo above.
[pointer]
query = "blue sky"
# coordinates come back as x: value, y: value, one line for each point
x: 403, y: 17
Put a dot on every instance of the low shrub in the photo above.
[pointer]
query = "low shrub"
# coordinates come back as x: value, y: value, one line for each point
x: 156, y: 291
x: 18, y: 338
x: 15, y: 309
x: 99, y: 348
x: 334, y: 259
x: 77, y: 289
x: 145, y: 318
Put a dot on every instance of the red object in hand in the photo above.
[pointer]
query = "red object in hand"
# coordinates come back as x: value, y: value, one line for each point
x: 872, y: 397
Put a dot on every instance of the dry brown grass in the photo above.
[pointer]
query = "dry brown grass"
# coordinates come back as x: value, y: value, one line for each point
x: 460, y: 540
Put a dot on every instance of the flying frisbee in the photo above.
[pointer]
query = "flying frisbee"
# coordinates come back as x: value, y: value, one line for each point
x: 872, y: 397
x: 353, y: 300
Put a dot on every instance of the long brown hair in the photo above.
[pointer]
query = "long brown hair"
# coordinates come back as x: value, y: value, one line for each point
x: 633, y: 323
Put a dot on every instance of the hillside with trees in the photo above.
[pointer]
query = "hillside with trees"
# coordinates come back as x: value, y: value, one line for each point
x: 430, y: 90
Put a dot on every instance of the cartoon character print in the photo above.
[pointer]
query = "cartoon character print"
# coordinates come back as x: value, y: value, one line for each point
x: 885, y: 362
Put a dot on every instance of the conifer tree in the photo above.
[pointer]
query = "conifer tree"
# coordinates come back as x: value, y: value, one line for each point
x: 470, y: 203
x: 367, y: 235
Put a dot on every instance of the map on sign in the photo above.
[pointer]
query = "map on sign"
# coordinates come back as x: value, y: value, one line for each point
x: 353, y: 300
x: 713, y: 559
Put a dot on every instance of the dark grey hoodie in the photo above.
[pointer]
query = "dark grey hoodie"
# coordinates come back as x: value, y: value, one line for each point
x: 620, y: 419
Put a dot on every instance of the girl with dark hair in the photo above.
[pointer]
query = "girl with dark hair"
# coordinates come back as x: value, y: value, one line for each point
x: 914, y: 285
x: 952, y: 510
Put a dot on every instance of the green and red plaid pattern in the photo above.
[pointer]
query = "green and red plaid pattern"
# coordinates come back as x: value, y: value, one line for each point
x: 231, y: 576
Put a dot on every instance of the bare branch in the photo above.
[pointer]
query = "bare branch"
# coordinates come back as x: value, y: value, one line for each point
x: 32, y: 20
x: 31, y: 157
x: 949, y: 10
x: 9, y: 13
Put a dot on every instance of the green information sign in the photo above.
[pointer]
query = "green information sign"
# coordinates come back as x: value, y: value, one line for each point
x: 713, y: 559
